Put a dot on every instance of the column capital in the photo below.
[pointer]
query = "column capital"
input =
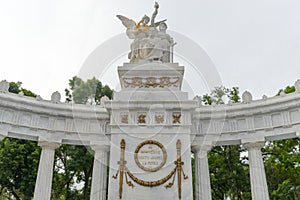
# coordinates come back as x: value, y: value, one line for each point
x: 254, y: 142
x: 100, y: 146
x: 201, y: 148
x: 250, y: 145
x: 49, y: 144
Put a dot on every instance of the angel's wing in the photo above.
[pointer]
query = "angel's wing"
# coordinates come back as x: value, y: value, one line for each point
x: 128, y: 23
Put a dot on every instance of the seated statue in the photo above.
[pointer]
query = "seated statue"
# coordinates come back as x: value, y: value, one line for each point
x: 149, y: 42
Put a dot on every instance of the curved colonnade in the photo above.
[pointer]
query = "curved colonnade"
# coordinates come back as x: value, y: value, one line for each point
x: 52, y: 123
x: 251, y: 124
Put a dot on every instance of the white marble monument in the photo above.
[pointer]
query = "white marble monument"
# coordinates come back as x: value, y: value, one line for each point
x: 150, y: 155
x: 150, y: 127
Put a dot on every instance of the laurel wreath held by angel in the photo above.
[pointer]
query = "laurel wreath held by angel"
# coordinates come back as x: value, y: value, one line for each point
x: 150, y: 41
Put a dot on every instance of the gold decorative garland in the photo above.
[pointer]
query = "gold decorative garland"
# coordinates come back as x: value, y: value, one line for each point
x: 123, y: 170
x: 151, y: 183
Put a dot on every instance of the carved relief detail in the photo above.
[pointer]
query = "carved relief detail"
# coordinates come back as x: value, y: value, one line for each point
x: 159, y: 118
x: 250, y: 123
x: 217, y: 126
x: 268, y: 121
x: 124, y: 118
x: 51, y: 123
x: 141, y: 118
x: 35, y: 120
x: 176, y: 118
x: 151, y: 82
x: 16, y: 118
x: 233, y: 125
x: 69, y: 126
x: 286, y: 118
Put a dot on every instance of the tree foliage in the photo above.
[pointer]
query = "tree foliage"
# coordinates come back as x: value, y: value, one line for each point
x: 282, y: 165
x: 229, y: 173
x: 18, y: 165
x: 287, y: 90
x: 220, y: 94
x: 16, y: 87
x: 90, y: 91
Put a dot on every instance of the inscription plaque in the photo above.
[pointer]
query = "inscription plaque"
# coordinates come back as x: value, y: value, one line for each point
x: 150, y: 155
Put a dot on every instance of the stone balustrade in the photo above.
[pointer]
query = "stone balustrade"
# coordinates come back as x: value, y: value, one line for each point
x: 272, y: 118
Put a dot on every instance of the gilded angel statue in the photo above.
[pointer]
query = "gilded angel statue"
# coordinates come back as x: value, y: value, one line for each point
x: 149, y: 42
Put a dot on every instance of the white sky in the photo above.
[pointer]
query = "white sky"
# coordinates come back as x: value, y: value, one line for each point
x: 254, y: 44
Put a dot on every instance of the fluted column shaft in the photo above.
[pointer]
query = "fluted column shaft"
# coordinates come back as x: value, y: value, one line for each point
x: 259, y: 187
x: 45, y: 172
x: 99, y: 178
x: 202, y: 177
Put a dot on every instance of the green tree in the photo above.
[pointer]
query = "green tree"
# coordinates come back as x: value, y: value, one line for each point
x: 16, y: 87
x: 18, y: 165
x: 282, y: 167
x: 229, y: 173
x: 219, y: 95
x: 18, y: 161
x: 287, y: 90
x: 64, y: 173
x: 90, y: 91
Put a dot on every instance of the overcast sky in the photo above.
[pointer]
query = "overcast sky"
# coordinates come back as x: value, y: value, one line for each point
x: 254, y: 44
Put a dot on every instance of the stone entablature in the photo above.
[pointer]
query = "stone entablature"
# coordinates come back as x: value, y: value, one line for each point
x: 273, y: 118
x: 28, y: 118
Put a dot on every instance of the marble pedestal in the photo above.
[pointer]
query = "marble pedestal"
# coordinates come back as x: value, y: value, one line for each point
x: 150, y: 156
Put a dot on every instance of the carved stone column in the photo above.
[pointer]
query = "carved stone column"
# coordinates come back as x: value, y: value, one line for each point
x: 202, y: 178
x: 259, y: 188
x: 99, y: 178
x: 45, y: 172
